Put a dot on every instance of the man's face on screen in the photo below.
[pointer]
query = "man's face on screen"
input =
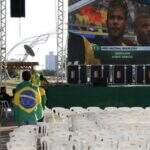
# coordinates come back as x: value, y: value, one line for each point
x: 116, y: 23
x: 143, y: 31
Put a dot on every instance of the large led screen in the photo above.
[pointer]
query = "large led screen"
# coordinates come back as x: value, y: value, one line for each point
x: 109, y: 31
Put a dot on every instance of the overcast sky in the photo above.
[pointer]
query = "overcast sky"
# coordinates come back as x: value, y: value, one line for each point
x: 40, y: 18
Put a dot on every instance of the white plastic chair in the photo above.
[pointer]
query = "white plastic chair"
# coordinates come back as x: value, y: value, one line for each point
x: 6, y: 114
x: 131, y: 145
x: 126, y: 109
x: 76, y: 109
x: 110, y: 109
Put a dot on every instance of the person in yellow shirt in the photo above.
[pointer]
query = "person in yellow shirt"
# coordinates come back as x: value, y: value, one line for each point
x: 36, y: 80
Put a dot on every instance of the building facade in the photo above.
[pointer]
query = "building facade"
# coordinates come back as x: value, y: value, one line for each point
x: 51, y: 62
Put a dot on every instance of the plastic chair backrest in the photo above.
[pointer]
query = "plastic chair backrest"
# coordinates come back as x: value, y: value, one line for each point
x: 5, y: 104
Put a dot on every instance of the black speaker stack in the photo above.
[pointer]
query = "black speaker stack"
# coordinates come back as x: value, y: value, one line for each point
x: 17, y: 8
x: 119, y: 74
x: 103, y: 75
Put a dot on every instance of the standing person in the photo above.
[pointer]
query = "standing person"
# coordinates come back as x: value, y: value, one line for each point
x: 43, y: 98
x: 142, y: 26
x: 35, y: 77
x: 26, y: 101
x: 42, y: 90
x: 4, y: 95
x: 36, y: 81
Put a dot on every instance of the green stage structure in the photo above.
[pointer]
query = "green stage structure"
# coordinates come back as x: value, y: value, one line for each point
x: 68, y: 95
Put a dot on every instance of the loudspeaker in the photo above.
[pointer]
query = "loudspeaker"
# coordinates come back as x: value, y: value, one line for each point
x: 129, y: 75
x: 97, y: 78
x: 73, y: 74
x: 147, y: 74
x: 96, y: 73
x: 119, y: 74
x: 140, y: 75
x: 105, y: 73
x: 17, y: 8
x: 83, y: 74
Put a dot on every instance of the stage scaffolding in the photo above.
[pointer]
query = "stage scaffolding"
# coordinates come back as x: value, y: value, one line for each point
x: 61, y: 52
x: 3, y: 63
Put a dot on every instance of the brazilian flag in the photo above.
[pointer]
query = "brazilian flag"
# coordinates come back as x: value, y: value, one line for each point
x: 27, y: 102
x: 43, y: 97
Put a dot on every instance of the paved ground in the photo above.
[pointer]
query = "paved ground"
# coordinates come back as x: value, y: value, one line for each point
x: 4, y: 136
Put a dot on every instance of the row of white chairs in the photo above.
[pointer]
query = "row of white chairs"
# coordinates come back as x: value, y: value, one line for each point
x: 92, y: 128
x: 23, y: 138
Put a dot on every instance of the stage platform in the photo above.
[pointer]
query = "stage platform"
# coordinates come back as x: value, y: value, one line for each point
x: 119, y: 96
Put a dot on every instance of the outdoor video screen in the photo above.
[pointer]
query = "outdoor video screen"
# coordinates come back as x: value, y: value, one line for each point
x: 109, y: 31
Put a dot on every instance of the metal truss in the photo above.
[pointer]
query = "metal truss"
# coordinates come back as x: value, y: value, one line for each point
x: 61, y: 53
x: 3, y: 63
x: 60, y: 42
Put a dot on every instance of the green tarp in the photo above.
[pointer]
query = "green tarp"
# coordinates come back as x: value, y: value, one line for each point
x: 67, y: 96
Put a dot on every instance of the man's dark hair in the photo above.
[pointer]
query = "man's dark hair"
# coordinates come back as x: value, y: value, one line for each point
x: 3, y: 89
x: 142, y: 12
x: 13, y: 91
x: 26, y: 75
x: 118, y: 4
x: 41, y: 77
